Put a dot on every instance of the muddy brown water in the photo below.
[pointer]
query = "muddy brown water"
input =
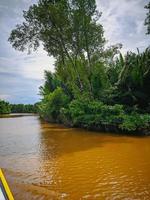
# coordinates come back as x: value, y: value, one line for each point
x: 44, y: 161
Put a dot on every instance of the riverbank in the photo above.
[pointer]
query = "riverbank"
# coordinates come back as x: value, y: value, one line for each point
x: 114, y: 129
x: 104, y: 129
x: 97, y: 116
x: 11, y: 115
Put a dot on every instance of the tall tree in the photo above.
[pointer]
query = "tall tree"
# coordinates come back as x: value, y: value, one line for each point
x: 68, y: 30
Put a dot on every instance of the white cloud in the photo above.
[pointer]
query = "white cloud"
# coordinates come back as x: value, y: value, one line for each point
x: 5, y: 96
x: 27, y: 66
x: 34, y: 67
x: 123, y: 22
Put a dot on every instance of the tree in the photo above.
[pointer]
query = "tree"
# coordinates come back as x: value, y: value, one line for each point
x: 51, y: 83
x: 147, y: 20
x: 52, y: 104
x: 68, y: 31
x: 133, y: 78
x: 4, y: 107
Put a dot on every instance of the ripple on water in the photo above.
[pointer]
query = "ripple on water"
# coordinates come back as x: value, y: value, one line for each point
x: 43, y: 161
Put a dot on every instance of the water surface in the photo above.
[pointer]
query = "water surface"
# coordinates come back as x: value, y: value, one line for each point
x: 44, y: 161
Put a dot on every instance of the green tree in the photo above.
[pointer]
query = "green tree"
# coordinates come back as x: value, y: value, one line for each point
x: 51, y: 105
x: 133, y: 78
x: 4, y: 107
x: 50, y: 84
x: 68, y: 31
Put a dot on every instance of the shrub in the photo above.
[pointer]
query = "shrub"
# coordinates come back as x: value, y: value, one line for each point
x: 50, y: 107
x: 91, y: 114
x: 135, y: 121
x: 87, y: 113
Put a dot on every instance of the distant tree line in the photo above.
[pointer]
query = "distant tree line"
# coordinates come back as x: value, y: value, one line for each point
x: 23, y: 108
x: 6, y: 108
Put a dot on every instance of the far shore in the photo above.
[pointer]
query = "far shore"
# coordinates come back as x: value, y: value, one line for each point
x: 11, y: 115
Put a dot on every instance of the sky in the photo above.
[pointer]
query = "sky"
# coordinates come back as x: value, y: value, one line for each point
x: 22, y: 74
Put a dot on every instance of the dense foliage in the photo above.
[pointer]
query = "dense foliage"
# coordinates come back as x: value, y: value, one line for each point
x: 93, y: 86
x: 97, y: 115
x: 4, y: 107
x: 133, y: 84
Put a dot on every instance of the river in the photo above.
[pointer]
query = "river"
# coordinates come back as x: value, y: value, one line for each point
x: 44, y: 161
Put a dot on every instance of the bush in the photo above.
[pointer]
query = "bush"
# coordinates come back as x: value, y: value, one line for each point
x: 135, y: 121
x: 50, y: 107
x: 87, y: 113
x: 92, y: 114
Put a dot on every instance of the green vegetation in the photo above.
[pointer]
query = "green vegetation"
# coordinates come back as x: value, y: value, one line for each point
x: 52, y: 104
x: 95, y: 114
x: 23, y: 108
x: 93, y: 86
x: 133, y: 84
x: 4, y: 107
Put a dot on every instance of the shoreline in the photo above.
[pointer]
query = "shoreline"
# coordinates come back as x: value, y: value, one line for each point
x: 109, y: 128
x: 11, y: 115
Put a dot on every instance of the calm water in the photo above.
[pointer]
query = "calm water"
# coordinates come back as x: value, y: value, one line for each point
x: 46, y: 161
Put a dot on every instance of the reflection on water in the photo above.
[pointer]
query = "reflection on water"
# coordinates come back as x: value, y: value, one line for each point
x: 47, y: 161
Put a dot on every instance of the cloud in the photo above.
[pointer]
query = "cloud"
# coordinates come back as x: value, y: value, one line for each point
x: 27, y: 66
x: 20, y: 77
x: 123, y: 22
x: 19, y: 89
x: 5, y: 96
